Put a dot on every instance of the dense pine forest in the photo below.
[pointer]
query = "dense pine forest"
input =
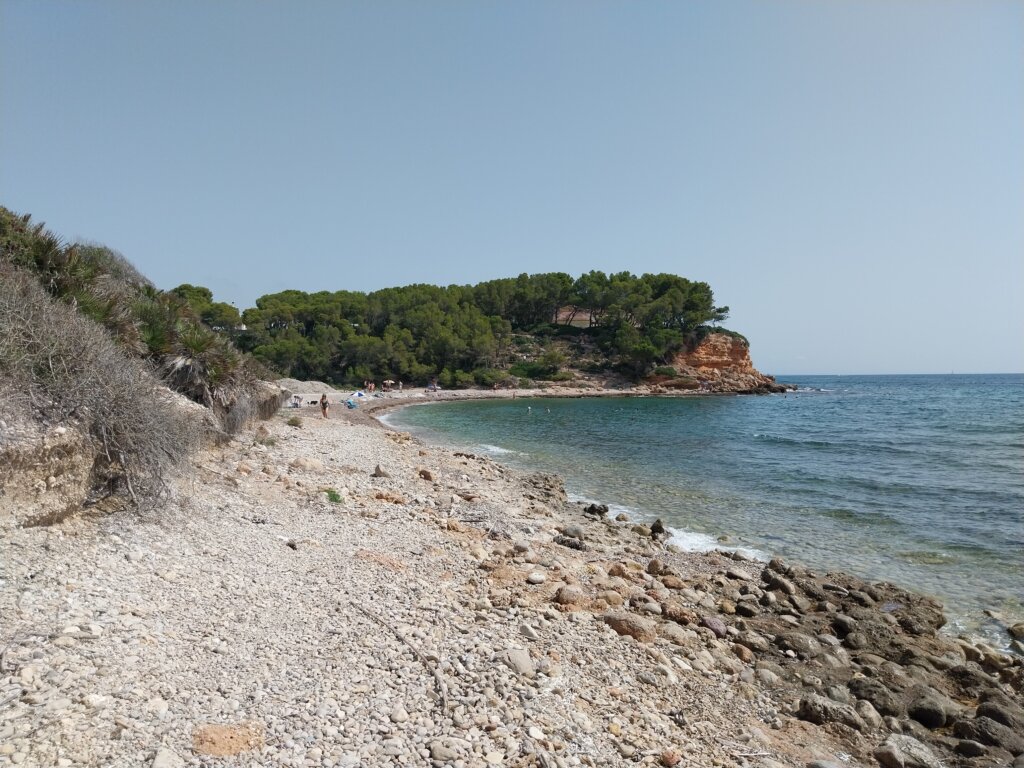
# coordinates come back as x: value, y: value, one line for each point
x: 499, y: 332
x: 484, y: 334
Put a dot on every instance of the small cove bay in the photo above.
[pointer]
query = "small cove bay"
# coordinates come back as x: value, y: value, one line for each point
x: 917, y: 480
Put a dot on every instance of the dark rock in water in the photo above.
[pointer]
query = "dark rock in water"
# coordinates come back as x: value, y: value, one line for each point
x: 658, y: 528
x: 819, y: 710
x: 988, y: 731
x: 600, y: 510
x: 880, y: 697
x: 716, y: 625
x: 900, y: 751
x: 571, y: 543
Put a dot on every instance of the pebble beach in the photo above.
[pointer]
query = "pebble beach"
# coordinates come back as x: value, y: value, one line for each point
x: 333, y: 593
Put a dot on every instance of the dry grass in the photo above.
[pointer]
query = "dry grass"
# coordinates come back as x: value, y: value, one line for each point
x: 60, y: 367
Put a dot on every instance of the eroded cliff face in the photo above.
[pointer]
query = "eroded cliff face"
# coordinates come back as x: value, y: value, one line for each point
x: 723, y: 362
x: 45, y: 474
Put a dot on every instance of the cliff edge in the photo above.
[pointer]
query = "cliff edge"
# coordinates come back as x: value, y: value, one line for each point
x: 722, y: 361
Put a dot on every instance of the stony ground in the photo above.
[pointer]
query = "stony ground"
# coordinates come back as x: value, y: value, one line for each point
x: 333, y: 594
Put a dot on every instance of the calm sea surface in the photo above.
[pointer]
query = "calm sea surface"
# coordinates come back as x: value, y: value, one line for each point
x: 918, y: 480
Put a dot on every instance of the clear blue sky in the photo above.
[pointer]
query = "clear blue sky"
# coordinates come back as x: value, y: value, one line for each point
x: 848, y: 176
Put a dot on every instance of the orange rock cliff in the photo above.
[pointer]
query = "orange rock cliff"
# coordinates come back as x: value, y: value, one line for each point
x: 723, y: 360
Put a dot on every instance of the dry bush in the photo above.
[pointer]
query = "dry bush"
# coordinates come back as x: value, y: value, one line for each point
x: 62, y: 367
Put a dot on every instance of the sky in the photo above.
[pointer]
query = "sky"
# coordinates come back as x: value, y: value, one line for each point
x: 847, y: 176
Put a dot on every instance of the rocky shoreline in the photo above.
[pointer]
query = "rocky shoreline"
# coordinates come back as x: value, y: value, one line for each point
x: 331, y: 593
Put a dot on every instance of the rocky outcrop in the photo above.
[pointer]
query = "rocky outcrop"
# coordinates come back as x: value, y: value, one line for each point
x: 45, y: 474
x: 723, y: 362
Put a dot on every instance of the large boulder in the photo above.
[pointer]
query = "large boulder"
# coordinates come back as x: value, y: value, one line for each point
x: 639, y: 629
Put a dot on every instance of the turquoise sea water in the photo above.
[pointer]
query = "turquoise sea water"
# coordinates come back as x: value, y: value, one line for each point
x: 918, y: 480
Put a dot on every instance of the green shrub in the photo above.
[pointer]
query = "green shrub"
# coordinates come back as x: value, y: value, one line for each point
x: 294, y: 421
x: 665, y: 370
x: 333, y: 496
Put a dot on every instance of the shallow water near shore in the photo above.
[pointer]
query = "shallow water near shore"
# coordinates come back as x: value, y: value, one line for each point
x: 917, y: 480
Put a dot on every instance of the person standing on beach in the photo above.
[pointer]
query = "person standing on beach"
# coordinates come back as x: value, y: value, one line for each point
x: 324, y: 404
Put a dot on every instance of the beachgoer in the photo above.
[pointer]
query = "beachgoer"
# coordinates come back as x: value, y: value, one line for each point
x: 399, y: 386
x: 324, y: 404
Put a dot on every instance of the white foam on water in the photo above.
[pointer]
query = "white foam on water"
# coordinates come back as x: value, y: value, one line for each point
x: 688, y: 541
x: 498, y: 450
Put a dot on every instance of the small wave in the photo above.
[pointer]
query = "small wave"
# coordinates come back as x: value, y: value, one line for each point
x: 926, y: 557
x: 498, y: 450
x: 795, y: 441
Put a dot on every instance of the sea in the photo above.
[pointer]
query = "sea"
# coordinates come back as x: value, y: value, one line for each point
x: 915, y: 480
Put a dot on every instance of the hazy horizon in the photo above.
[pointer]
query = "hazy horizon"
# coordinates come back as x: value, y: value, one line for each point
x: 849, y: 178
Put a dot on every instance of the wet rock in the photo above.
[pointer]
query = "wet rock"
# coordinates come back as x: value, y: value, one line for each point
x: 843, y: 624
x: 988, y: 731
x: 971, y: 681
x: 658, y: 529
x: 598, y: 510
x: 1000, y: 708
x: 930, y: 708
x: 969, y: 748
x: 901, y: 751
x: 880, y: 697
x: 639, y: 629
